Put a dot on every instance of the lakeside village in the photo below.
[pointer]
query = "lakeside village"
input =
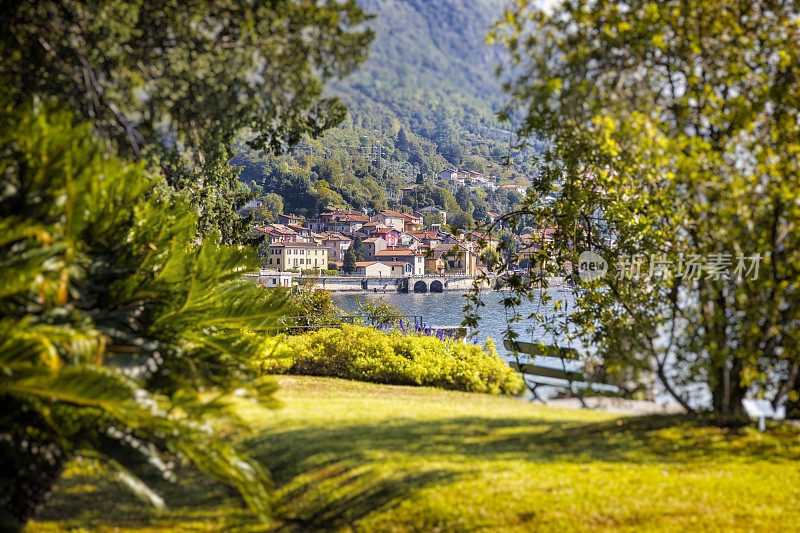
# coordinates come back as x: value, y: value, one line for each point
x: 388, y: 249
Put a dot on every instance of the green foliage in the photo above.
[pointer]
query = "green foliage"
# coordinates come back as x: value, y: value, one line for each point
x: 379, y: 311
x: 175, y: 83
x: 271, y: 206
x: 400, y: 131
x: 673, y: 135
x: 121, y: 335
x: 308, y: 304
x: 366, y: 354
x: 349, y: 262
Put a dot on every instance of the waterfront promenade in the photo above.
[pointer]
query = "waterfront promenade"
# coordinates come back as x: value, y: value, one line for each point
x: 435, y: 283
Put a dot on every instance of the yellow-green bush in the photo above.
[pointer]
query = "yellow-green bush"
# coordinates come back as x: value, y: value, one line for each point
x: 366, y: 354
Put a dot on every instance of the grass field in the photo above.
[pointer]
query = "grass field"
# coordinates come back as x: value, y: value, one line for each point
x: 347, y: 455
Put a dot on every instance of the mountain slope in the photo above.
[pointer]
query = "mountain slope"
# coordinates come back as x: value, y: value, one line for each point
x: 424, y: 101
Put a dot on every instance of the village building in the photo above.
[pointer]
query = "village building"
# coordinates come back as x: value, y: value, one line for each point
x: 399, y: 268
x: 411, y: 222
x: 390, y: 235
x: 429, y: 238
x: 491, y: 243
x: 367, y: 229
x: 414, y: 259
x: 341, y: 220
x: 297, y: 256
x: 275, y: 278
x: 535, y: 241
x: 373, y: 269
x: 453, y: 177
x: 283, y: 233
x: 306, y: 235
x: 409, y: 240
x: 290, y: 219
x: 405, y: 191
x: 518, y: 188
x: 372, y: 246
x: 391, y: 219
x: 337, y: 245
x: 270, y: 236
x: 453, y: 258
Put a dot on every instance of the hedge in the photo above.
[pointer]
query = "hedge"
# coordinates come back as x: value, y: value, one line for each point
x: 366, y: 354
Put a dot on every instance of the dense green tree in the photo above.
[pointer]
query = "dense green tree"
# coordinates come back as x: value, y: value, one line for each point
x: 480, y: 209
x: 349, y: 262
x: 175, y: 83
x: 271, y: 206
x: 672, y: 139
x: 358, y: 248
x: 121, y: 335
x: 463, y: 198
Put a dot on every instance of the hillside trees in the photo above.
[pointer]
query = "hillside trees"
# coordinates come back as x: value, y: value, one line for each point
x: 173, y: 84
x: 271, y: 206
x: 121, y: 335
x: 672, y: 137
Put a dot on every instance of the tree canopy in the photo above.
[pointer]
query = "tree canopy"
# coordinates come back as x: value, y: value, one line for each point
x: 174, y: 84
x: 672, y: 138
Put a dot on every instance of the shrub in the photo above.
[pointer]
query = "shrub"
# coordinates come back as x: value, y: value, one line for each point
x: 378, y: 311
x: 366, y: 354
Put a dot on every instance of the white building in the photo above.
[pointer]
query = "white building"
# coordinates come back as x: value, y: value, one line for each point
x: 274, y: 278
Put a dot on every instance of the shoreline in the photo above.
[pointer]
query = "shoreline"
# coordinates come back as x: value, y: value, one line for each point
x: 432, y: 284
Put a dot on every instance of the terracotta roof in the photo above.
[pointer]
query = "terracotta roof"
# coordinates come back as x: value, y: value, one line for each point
x: 349, y: 218
x: 341, y: 212
x: 335, y: 236
x: 483, y: 236
x: 395, y: 251
x: 299, y: 245
x: 390, y: 213
x: 281, y: 229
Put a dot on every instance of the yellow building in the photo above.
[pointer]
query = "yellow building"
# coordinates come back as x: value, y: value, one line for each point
x: 297, y: 256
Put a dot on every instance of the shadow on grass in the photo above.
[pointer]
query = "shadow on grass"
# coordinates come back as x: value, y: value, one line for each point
x: 335, y: 471
x: 333, y: 475
x: 630, y: 440
x: 91, y: 498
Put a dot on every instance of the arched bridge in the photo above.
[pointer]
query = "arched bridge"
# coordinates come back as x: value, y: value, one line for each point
x: 433, y: 283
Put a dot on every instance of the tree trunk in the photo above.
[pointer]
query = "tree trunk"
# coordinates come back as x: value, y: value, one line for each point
x: 727, y: 392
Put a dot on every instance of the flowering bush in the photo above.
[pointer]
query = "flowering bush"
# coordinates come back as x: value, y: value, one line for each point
x: 366, y: 354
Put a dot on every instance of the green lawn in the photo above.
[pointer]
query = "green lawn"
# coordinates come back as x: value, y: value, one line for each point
x: 348, y: 455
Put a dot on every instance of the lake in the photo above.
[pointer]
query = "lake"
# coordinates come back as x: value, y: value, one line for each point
x: 447, y: 309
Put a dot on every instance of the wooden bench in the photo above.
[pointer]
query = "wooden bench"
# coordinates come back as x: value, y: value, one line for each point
x: 572, y: 380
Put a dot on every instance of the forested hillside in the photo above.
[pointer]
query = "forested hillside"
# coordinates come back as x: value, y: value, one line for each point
x: 423, y: 102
